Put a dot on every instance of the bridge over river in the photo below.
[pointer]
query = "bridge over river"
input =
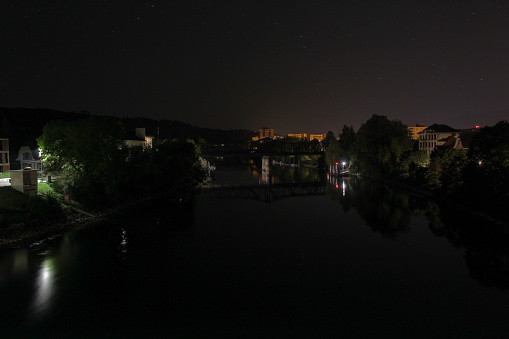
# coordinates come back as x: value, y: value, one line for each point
x: 274, y: 148
x: 267, y: 193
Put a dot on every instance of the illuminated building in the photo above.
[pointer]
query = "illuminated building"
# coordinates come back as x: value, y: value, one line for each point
x: 29, y: 158
x: 435, y: 135
x: 139, y: 139
x: 4, y: 156
x: 413, y: 132
x: 266, y: 133
x: 318, y: 137
x: 298, y: 135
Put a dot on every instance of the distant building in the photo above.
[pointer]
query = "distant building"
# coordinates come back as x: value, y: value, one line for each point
x: 266, y: 133
x: 435, y: 135
x: 413, y: 132
x: 298, y: 135
x: 4, y: 155
x: 139, y: 138
x: 30, y: 159
x: 318, y: 137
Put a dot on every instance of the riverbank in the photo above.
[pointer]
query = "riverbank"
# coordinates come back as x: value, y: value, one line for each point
x: 21, y: 234
x: 447, y: 202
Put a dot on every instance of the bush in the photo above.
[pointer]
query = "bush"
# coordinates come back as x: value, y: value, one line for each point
x: 44, y: 209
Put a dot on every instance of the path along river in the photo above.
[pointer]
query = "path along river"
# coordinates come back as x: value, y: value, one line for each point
x: 357, y: 260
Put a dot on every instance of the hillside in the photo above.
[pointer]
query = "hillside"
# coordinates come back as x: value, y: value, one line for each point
x: 24, y: 125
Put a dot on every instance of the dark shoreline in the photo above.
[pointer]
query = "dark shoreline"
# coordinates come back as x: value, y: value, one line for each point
x: 29, y: 235
x: 497, y: 222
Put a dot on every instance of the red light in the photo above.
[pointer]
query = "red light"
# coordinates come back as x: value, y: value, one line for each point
x: 477, y: 126
x: 337, y: 186
x: 337, y: 163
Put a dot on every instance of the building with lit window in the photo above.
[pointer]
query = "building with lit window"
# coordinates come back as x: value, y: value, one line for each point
x: 318, y: 137
x: 435, y: 135
x: 139, y: 139
x: 30, y: 159
x: 266, y: 133
x: 4, y: 155
x: 413, y: 132
x: 299, y: 136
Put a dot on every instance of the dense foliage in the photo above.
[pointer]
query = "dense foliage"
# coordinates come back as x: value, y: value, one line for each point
x: 97, y: 168
x: 381, y: 148
x: 478, y: 177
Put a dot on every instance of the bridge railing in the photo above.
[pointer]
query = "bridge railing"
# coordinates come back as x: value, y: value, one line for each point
x: 267, y: 148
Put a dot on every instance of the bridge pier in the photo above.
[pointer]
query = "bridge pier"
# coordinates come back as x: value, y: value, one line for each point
x: 266, y: 163
x: 266, y: 169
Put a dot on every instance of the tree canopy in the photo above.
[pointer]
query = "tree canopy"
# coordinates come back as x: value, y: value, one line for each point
x: 379, y: 145
x: 97, y: 167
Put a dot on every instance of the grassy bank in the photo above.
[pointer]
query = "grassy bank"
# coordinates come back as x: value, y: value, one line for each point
x: 24, y: 217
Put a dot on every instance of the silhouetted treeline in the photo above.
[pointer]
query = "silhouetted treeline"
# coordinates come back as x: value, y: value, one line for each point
x: 24, y: 125
x: 97, y: 168
x: 477, y: 177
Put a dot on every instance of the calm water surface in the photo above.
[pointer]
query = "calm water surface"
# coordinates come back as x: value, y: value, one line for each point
x: 359, y: 260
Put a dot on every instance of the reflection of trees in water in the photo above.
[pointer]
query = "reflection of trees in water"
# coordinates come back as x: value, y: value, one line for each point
x: 486, y: 254
x: 385, y: 210
x: 388, y: 212
x: 489, y: 266
x: 290, y: 175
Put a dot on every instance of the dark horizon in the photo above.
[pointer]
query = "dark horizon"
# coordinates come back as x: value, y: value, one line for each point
x: 300, y: 67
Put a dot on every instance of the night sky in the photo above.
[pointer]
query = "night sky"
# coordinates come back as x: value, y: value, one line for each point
x: 294, y: 66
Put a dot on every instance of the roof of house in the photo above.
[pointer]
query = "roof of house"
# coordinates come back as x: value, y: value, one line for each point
x: 439, y: 128
x: 26, y: 149
x: 450, y: 141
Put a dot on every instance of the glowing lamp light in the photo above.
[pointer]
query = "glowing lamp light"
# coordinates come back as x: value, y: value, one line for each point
x: 337, y: 186
x: 337, y: 163
x: 477, y: 126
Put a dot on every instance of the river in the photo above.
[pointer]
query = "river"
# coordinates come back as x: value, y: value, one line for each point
x: 353, y: 259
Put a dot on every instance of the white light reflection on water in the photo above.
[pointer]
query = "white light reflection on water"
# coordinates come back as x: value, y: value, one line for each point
x: 44, y: 287
x: 124, y: 240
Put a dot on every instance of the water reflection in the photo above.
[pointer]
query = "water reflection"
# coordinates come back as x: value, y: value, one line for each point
x: 15, y: 265
x: 384, y: 210
x: 389, y: 212
x: 159, y: 266
x: 485, y: 243
x: 124, y: 242
x: 44, y: 287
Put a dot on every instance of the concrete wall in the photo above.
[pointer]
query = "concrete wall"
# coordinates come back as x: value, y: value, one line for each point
x: 24, y: 181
